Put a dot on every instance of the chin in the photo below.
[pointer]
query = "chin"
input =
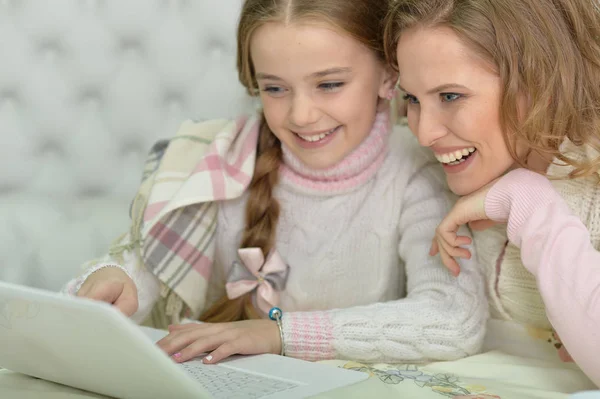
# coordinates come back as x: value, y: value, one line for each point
x: 462, y: 188
x: 318, y: 163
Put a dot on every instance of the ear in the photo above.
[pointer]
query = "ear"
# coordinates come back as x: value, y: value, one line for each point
x: 387, y: 87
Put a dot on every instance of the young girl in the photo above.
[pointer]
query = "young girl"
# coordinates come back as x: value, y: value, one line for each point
x: 518, y: 85
x: 332, y: 228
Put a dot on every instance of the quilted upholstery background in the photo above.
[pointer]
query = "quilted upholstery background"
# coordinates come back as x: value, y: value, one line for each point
x: 86, y: 86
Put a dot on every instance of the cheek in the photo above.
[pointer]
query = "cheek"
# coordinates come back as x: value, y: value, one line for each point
x: 360, y: 119
x: 412, y: 118
x: 275, y: 110
x: 489, y: 134
x: 479, y: 126
x: 363, y: 94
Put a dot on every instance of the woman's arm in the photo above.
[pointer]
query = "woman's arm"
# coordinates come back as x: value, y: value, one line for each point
x: 556, y: 248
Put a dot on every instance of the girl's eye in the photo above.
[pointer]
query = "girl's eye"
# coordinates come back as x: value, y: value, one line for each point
x: 449, y: 97
x: 331, y: 86
x: 410, y: 98
x: 274, y: 90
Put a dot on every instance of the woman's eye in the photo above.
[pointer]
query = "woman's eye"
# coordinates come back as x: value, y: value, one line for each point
x: 410, y: 98
x: 449, y: 97
x: 330, y: 86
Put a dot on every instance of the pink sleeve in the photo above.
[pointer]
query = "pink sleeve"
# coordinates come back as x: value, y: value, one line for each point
x: 556, y: 249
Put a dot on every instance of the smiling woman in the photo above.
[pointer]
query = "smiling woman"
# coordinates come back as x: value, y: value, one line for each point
x: 454, y: 107
x: 506, y: 92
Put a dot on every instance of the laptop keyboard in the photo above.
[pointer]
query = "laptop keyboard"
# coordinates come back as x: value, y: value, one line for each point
x: 227, y: 383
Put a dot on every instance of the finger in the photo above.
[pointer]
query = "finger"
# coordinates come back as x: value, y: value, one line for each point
x: 177, y: 340
x: 106, y: 292
x: 462, y: 240
x: 564, y: 355
x: 462, y: 253
x: 180, y: 327
x: 127, y: 302
x: 452, y: 238
x: 434, y: 249
x: 455, y: 252
x: 448, y: 227
x: 449, y: 262
x: 463, y: 212
x: 221, y: 353
x: 201, y: 347
x: 83, y: 291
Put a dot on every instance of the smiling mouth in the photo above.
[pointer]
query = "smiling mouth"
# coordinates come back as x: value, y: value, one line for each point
x: 456, y: 157
x: 311, y: 138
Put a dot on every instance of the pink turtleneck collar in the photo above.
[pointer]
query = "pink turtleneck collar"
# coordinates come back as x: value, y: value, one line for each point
x: 353, y: 171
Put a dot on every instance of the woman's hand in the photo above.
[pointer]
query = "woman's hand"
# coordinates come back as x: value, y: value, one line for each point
x: 470, y: 210
x: 221, y: 340
x: 563, y: 353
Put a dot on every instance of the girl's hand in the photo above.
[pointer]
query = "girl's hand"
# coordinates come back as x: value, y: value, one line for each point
x: 113, y: 286
x: 470, y: 210
x: 221, y: 340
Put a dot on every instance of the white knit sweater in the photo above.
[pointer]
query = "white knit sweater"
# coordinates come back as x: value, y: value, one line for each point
x: 362, y: 285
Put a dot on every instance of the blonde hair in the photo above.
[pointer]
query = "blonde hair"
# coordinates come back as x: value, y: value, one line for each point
x: 361, y: 19
x: 548, y: 50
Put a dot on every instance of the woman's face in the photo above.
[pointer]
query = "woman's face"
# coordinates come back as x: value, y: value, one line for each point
x: 453, y: 106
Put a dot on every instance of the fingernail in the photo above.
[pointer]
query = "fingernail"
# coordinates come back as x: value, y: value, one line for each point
x: 208, y: 358
x: 177, y: 355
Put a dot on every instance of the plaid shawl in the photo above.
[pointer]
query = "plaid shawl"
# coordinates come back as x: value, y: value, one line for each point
x: 174, y: 213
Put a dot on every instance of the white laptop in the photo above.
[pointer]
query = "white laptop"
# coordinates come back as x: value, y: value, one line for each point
x: 92, y: 346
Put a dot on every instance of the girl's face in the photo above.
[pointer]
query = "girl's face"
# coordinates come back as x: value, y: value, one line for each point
x: 453, y: 106
x: 319, y: 88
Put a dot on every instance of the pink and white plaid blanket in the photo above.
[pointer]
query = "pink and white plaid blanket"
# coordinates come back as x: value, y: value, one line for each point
x: 175, y: 211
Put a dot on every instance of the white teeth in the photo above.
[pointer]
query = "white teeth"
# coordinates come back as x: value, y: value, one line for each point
x: 456, y: 157
x: 316, y: 137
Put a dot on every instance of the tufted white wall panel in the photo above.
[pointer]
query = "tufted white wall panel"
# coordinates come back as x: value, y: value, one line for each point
x: 86, y: 86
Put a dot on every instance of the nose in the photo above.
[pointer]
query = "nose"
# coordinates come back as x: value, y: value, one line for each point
x: 303, y: 110
x: 428, y: 127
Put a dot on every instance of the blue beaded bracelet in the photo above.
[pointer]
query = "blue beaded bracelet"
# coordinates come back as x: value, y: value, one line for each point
x: 275, y: 315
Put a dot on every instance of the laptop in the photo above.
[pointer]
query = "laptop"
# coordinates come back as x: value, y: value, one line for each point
x: 92, y: 346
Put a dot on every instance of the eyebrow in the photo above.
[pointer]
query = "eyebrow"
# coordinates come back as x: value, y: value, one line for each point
x: 319, y: 74
x: 440, y: 88
x: 331, y: 71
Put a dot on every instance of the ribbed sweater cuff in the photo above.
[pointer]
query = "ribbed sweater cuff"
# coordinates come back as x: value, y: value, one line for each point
x: 308, y: 335
x: 515, y: 197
